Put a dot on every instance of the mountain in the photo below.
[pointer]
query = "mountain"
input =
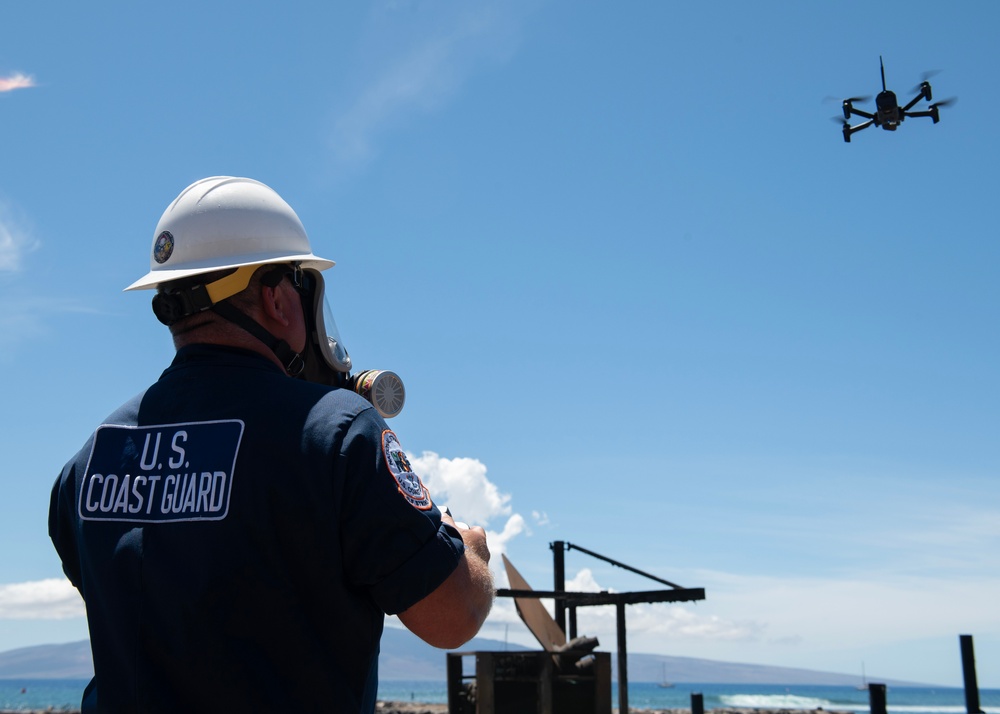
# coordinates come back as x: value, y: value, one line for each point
x: 406, y: 657
x: 68, y: 661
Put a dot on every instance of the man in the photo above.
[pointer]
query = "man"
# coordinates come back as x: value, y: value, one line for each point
x: 237, y: 531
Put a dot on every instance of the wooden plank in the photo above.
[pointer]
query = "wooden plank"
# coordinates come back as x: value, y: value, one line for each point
x: 533, y: 612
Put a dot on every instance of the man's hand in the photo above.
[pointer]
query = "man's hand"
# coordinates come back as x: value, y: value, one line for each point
x: 474, y: 537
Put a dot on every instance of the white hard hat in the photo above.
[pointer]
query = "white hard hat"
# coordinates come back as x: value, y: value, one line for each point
x: 225, y: 222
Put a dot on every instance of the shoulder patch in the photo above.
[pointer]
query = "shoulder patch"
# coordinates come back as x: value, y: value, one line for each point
x: 408, y: 483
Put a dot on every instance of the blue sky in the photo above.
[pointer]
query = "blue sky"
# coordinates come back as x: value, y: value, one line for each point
x: 643, y: 296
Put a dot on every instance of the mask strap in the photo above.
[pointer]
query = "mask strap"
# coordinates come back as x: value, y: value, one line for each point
x: 290, y: 359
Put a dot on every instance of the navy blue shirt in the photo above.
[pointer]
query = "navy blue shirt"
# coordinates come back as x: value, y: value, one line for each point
x: 238, y: 536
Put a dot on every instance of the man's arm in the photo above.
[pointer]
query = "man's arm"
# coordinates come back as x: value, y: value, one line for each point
x: 453, y: 613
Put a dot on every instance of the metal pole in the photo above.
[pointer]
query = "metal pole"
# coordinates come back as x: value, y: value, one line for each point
x: 622, y: 661
x: 969, y: 675
x: 606, y: 559
x: 876, y: 698
x: 559, y: 571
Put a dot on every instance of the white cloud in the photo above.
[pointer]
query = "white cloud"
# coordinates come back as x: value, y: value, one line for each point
x: 758, y: 618
x: 679, y: 623
x: 50, y: 599
x: 584, y: 582
x: 15, y: 241
x: 461, y: 484
x: 650, y: 625
x: 512, y: 528
x: 655, y: 621
x: 849, y: 612
x: 24, y: 315
x: 826, y: 622
x: 16, y: 81
x: 422, y: 58
x: 541, y: 518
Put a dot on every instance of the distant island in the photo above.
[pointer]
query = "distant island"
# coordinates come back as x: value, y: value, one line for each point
x: 405, y: 657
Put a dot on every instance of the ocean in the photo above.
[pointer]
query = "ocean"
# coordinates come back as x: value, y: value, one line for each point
x: 648, y: 695
x: 64, y: 694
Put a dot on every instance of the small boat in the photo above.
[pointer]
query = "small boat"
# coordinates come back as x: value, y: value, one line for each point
x: 863, y: 687
x: 664, y: 684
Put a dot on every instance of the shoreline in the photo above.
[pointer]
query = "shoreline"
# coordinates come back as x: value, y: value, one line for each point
x: 396, y: 707
x: 393, y: 707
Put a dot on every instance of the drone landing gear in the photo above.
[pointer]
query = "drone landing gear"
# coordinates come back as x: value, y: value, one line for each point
x: 848, y: 129
x: 931, y: 112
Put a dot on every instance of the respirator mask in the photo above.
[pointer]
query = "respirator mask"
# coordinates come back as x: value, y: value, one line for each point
x: 326, y: 359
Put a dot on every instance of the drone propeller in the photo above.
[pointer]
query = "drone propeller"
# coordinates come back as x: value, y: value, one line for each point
x: 924, y: 77
x: 945, y: 102
x: 829, y: 99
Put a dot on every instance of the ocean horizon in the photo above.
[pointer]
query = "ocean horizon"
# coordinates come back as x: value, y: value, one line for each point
x: 65, y: 694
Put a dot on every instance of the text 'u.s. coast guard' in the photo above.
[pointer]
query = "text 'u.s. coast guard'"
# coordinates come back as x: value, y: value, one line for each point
x: 163, y: 473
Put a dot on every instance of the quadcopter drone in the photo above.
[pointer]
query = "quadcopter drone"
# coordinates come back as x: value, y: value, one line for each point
x: 888, y: 114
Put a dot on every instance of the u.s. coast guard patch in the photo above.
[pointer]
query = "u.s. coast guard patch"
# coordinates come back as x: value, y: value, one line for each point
x: 161, y: 474
x: 409, y: 483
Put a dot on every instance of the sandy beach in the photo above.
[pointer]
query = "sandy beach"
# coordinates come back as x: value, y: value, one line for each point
x: 410, y: 708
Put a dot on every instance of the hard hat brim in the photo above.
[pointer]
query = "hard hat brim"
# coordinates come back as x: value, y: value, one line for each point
x: 156, y: 278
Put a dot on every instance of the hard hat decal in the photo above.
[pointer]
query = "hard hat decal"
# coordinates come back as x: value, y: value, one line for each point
x: 408, y: 483
x: 163, y: 248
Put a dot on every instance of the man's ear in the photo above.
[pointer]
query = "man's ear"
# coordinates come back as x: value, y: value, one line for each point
x: 274, y: 304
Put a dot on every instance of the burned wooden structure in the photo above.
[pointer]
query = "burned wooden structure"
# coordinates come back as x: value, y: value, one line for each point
x: 562, y: 677
x: 969, y: 675
x: 530, y: 682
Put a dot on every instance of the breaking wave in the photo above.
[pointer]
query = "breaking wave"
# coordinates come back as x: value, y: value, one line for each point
x: 774, y: 701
